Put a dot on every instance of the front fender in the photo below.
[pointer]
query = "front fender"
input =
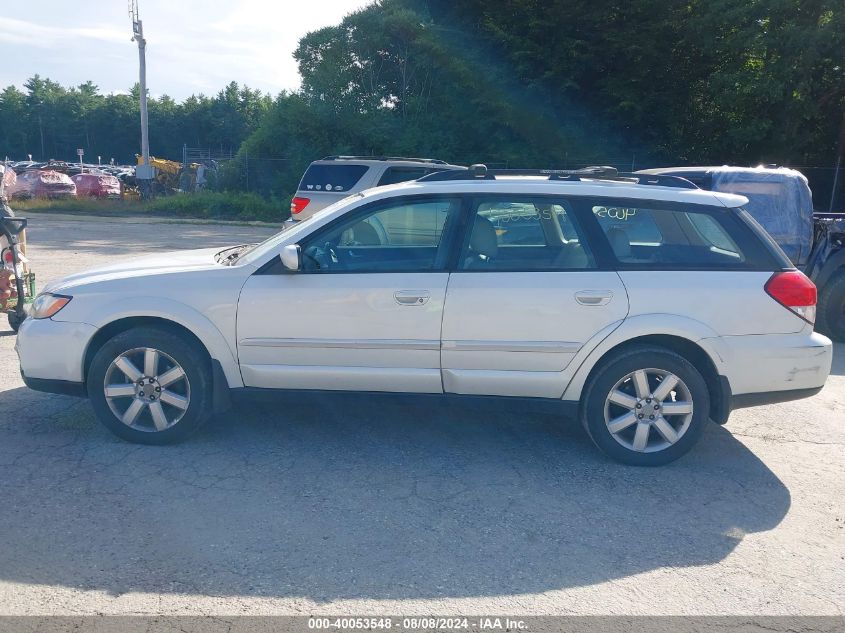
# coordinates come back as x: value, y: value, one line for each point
x: 637, y: 326
x: 190, y: 318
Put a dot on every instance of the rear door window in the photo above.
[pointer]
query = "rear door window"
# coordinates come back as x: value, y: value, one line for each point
x: 516, y: 223
x: 523, y: 234
x: 332, y: 177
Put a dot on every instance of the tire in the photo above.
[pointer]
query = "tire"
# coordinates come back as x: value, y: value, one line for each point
x: 14, y: 320
x: 830, y: 315
x: 167, y: 409
x: 666, y: 438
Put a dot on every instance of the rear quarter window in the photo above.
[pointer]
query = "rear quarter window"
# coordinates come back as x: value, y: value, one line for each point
x: 766, y: 240
x: 668, y: 235
x: 332, y: 177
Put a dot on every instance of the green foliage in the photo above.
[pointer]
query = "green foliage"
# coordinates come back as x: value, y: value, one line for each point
x: 205, y: 205
x: 221, y: 206
x: 391, y: 79
x: 567, y: 82
x: 519, y: 83
x: 681, y: 80
x: 108, y: 125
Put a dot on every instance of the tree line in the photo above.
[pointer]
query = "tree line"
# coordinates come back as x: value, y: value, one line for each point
x: 48, y: 120
x: 528, y: 83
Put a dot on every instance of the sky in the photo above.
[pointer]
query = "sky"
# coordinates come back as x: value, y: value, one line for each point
x: 193, y: 46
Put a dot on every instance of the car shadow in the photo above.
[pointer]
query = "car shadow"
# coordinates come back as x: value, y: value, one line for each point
x: 351, y: 496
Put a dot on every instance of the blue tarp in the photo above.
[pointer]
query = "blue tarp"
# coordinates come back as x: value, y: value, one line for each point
x: 779, y: 199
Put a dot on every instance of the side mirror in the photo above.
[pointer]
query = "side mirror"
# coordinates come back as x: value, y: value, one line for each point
x: 291, y: 257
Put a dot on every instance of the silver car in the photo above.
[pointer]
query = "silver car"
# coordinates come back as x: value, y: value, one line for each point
x: 334, y: 177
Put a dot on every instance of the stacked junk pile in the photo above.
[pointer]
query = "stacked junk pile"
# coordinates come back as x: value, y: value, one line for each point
x: 59, y: 179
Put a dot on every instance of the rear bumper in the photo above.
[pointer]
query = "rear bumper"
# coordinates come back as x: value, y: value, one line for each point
x: 771, y: 397
x: 763, y: 366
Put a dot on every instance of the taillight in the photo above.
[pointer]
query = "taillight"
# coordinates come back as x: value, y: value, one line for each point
x: 298, y: 204
x: 794, y: 290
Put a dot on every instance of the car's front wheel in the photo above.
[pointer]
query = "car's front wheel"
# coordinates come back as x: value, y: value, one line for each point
x: 645, y: 406
x: 150, y: 386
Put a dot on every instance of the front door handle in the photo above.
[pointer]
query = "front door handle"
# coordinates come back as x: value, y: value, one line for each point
x: 594, y: 297
x: 412, y: 297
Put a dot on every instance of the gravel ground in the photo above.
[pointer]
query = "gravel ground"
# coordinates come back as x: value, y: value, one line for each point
x: 352, y: 506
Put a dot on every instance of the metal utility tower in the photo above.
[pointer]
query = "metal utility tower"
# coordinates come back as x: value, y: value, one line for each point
x: 143, y: 171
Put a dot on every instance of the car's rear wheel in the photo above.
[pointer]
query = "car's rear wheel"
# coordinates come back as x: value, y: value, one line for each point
x: 830, y: 318
x: 150, y: 386
x: 645, y: 406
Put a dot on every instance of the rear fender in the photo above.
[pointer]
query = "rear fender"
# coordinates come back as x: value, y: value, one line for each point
x: 643, y: 325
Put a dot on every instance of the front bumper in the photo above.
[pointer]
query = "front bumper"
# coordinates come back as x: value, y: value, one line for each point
x: 53, y: 350
x: 48, y: 385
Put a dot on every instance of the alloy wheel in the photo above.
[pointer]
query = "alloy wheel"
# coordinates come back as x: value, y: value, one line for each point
x: 147, y: 390
x: 648, y: 410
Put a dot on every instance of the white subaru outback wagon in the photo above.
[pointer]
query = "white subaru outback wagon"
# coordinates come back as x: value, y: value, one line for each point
x: 640, y: 304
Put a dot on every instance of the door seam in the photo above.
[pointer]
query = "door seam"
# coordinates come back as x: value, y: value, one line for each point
x: 442, y: 317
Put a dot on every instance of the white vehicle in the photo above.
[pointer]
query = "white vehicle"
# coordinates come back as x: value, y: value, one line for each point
x: 642, y: 305
x: 335, y: 177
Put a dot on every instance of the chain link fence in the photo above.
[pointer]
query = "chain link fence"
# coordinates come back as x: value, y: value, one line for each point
x: 269, y: 177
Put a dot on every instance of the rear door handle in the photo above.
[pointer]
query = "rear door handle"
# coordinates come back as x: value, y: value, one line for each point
x: 412, y: 297
x: 594, y: 297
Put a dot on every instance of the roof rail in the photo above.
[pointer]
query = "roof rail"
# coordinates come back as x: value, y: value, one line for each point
x: 433, y: 161
x: 660, y: 181
x: 480, y: 172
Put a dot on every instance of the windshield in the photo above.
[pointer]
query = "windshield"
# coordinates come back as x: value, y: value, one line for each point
x: 257, y: 251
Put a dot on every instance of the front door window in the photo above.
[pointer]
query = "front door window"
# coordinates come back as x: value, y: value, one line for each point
x: 399, y: 236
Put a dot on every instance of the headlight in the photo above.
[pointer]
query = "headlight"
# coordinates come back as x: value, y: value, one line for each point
x: 46, y: 305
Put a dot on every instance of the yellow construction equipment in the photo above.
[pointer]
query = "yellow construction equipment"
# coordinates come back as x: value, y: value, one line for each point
x: 172, y: 176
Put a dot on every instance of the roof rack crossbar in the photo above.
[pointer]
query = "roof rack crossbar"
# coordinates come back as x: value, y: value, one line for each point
x: 480, y: 172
